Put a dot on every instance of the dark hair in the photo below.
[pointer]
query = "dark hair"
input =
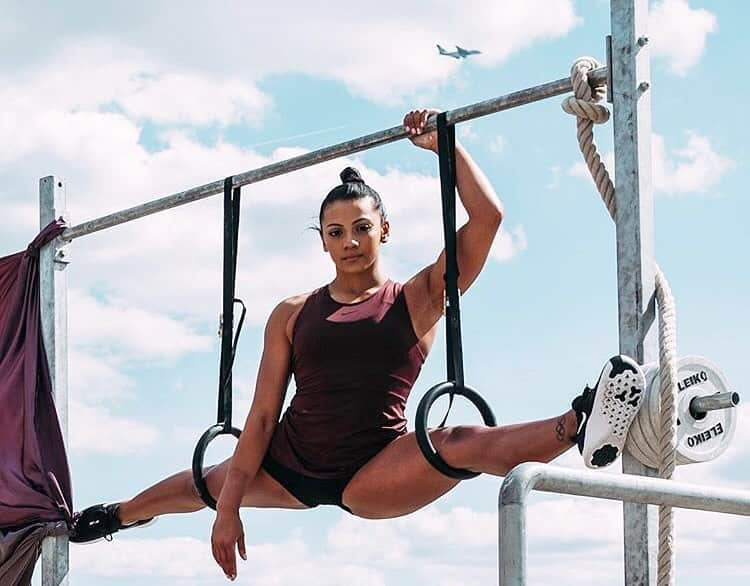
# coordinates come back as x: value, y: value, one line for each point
x: 352, y: 188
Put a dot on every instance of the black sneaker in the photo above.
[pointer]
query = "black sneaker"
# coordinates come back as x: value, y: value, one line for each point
x: 99, y: 522
x: 606, y: 412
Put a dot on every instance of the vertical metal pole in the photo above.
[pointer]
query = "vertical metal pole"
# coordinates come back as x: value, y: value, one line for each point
x: 54, y: 316
x: 631, y: 96
x: 512, y: 543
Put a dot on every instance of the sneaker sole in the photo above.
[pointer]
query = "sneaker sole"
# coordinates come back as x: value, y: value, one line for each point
x: 619, y: 395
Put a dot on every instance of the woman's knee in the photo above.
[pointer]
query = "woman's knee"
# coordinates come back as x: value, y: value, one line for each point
x: 214, y: 476
x: 459, y: 445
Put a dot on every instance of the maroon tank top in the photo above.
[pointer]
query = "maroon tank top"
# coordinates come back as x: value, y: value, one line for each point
x: 354, y: 366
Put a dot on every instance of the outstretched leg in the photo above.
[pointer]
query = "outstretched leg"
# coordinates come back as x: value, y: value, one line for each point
x: 176, y: 494
x: 399, y: 480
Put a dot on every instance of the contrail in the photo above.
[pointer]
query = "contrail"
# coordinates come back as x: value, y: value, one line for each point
x: 314, y: 132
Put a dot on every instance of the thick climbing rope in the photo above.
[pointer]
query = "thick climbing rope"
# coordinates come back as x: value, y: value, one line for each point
x: 585, y: 107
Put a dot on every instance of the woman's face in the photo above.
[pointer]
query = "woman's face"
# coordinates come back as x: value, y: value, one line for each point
x: 352, y: 234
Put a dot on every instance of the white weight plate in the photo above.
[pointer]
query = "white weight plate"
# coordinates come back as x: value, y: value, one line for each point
x: 697, y: 441
x: 707, y: 438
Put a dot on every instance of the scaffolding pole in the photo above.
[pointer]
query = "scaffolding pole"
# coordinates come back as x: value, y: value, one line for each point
x: 53, y: 288
x: 636, y: 264
x: 477, y: 110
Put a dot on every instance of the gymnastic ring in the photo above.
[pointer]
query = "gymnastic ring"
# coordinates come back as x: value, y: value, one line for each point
x: 200, y: 453
x: 423, y: 438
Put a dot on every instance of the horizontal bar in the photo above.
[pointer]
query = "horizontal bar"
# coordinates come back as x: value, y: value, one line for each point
x: 622, y: 487
x: 699, y: 406
x: 527, y: 96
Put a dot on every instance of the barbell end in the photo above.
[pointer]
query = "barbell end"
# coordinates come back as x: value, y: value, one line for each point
x: 699, y: 406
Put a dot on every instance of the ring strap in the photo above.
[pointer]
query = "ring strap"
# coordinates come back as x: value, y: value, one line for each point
x: 229, y: 340
x: 454, y: 350
x: 228, y: 345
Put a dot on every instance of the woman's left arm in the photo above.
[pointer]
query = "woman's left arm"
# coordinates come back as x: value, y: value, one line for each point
x: 474, y: 239
x: 482, y: 205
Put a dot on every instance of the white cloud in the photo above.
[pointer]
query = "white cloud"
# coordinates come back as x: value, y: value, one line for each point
x: 130, y: 331
x: 497, y: 145
x: 100, y: 76
x: 97, y: 378
x: 22, y: 216
x: 185, y: 560
x: 694, y: 168
x: 499, y: 29
x: 678, y: 33
x: 331, y: 41
x: 554, y: 181
x: 466, y: 131
x: 460, y: 526
x: 175, y: 557
x: 579, y: 168
x: 96, y: 430
x: 193, y: 99
x: 508, y: 244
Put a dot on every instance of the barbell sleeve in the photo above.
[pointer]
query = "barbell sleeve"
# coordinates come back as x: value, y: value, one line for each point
x: 699, y: 406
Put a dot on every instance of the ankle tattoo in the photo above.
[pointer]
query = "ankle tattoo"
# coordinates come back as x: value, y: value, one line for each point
x: 562, y: 437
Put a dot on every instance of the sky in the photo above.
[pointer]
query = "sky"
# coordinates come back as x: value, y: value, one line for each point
x: 128, y: 102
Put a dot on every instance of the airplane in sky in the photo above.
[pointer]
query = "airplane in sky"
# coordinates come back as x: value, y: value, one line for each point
x: 459, y: 53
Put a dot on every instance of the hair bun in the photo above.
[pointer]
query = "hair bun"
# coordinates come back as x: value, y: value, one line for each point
x: 351, y: 175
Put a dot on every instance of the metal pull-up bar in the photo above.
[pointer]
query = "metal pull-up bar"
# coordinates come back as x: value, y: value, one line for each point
x: 519, y: 482
x: 513, y: 100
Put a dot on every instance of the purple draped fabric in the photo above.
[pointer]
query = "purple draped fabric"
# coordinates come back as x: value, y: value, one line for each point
x: 35, y: 484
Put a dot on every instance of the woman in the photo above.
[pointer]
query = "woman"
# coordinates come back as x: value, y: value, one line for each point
x: 355, y: 348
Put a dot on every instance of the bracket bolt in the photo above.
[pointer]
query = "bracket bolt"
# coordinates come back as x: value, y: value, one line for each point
x: 644, y: 86
x: 643, y: 41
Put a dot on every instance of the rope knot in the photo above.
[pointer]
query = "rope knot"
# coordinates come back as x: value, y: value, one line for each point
x: 583, y: 104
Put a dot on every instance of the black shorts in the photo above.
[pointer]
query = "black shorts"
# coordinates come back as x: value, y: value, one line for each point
x: 306, y: 489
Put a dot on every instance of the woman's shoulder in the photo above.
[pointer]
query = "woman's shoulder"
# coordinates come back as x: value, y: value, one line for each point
x: 392, y: 289
x: 288, y: 309
x: 295, y: 301
x: 291, y: 305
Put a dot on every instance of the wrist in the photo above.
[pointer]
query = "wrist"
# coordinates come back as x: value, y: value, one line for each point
x: 227, y: 510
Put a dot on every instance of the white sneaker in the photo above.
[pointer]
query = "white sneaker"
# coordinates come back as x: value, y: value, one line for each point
x: 606, y: 412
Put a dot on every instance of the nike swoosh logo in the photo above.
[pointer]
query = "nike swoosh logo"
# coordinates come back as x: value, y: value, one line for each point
x: 584, y: 419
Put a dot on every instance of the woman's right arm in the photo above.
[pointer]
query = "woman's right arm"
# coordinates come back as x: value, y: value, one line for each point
x: 270, y: 388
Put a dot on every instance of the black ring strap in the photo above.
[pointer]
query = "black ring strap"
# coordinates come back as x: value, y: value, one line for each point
x: 228, y: 344
x: 454, y: 349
